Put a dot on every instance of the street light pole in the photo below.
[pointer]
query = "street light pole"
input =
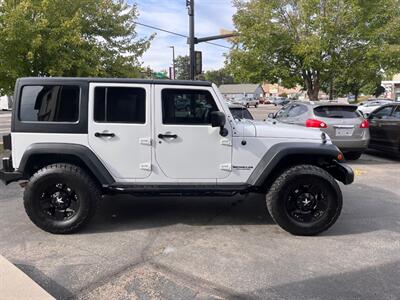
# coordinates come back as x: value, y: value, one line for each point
x: 190, y: 6
x: 173, y: 62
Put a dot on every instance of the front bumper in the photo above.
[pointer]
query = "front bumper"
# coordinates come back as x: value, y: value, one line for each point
x: 341, y: 172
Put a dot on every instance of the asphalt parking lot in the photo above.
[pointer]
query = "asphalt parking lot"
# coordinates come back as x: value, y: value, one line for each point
x: 216, y: 248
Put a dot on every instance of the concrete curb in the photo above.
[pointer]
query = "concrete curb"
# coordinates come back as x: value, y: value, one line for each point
x: 15, y: 284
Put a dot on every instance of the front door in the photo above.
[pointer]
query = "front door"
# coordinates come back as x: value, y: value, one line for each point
x: 378, y: 120
x: 187, y: 147
x: 120, y: 128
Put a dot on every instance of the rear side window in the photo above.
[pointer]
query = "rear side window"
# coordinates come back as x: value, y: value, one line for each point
x: 336, y: 111
x: 50, y: 103
x: 120, y: 105
x: 190, y: 107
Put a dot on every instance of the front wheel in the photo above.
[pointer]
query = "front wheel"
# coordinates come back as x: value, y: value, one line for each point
x: 304, y: 200
x: 61, y: 198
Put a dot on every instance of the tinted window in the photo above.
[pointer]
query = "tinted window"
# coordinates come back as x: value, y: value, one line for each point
x: 383, y: 113
x: 120, y: 105
x: 241, y: 113
x: 336, y: 111
x: 396, y: 113
x: 49, y: 103
x: 187, y: 106
x: 297, y: 110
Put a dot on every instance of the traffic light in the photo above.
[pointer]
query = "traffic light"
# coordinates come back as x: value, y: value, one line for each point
x: 198, y: 62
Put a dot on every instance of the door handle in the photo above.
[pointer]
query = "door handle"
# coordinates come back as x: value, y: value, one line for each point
x: 104, y: 134
x: 167, y: 136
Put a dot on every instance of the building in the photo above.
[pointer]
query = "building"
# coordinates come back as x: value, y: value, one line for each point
x: 275, y: 90
x: 234, y: 91
x: 392, y: 88
x: 5, y: 103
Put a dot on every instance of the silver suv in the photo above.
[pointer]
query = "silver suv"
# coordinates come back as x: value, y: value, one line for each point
x: 346, y: 127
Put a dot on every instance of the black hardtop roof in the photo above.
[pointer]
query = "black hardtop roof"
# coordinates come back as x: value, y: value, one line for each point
x: 50, y: 80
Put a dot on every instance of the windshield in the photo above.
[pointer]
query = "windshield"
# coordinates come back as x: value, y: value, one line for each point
x: 241, y: 113
x: 336, y: 111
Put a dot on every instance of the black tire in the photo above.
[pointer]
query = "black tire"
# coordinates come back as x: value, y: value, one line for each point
x: 353, y: 155
x: 247, y: 105
x: 61, y: 198
x: 256, y: 105
x: 289, y: 211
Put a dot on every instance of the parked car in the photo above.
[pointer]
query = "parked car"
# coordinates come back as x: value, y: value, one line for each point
x: 247, y: 102
x: 239, y: 112
x: 74, y: 140
x: 346, y: 127
x: 369, y: 106
x: 281, y: 101
x: 385, y: 128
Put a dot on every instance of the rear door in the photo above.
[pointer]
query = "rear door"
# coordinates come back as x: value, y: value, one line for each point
x: 120, y: 128
x: 187, y: 147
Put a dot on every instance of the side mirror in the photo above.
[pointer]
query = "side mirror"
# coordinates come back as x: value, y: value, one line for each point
x: 218, y: 119
x: 271, y: 116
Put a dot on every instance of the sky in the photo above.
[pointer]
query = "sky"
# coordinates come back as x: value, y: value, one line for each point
x: 210, y: 17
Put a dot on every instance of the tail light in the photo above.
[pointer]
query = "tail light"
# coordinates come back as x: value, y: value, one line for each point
x: 364, y: 124
x: 315, y: 123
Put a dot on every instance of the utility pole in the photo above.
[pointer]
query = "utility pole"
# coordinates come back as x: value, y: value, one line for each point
x: 191, y: 40
x: 173, y: 62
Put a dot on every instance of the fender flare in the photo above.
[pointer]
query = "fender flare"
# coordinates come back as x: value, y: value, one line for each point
x: 81, y: 152
x: 280, y: 151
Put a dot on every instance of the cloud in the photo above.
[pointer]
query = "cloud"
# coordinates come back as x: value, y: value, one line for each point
x: 171, y: 15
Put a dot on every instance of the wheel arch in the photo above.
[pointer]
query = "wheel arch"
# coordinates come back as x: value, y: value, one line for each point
x: 284, y: 155
x: 39, y: 155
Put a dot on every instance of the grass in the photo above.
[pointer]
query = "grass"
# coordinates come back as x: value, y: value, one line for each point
x: 1, y: 148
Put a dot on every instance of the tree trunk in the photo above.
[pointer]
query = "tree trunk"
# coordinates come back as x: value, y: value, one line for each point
x: 311, y: 80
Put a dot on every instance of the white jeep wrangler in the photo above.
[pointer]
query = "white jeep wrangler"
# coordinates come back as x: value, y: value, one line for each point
x: 76, y: 139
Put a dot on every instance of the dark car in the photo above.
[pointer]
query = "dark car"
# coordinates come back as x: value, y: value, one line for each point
x: 385, y: 128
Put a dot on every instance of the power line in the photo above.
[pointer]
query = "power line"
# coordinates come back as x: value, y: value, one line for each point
x: 177, y: 34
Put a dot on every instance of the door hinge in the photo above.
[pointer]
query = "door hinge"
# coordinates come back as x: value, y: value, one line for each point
x: 226, y: 167
x: 226, y: 142
x: 145, y: 166
x: 145, y: 141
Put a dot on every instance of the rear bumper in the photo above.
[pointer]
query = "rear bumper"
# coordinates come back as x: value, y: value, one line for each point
x: 8, y: 173
x: 346, y: 146
x: 9, y: 176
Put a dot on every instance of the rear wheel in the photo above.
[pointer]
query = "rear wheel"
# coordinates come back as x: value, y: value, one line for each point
x: 353, y: 155
x: 304, y: 200
x: 61, y: 198
x: 256, y: 105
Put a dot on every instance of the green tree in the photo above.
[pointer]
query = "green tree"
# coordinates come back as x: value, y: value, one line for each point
x: 311, y: 42
x: 68, y: 38
x: 182, y: 66
x: 221, y: 76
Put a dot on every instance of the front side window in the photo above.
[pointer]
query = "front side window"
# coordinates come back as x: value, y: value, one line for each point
x: 284, y: 112
x: 190, y: 107
x: 49, y: 103
x: 297, y: 110
x: 120, y: 105
x: 383, y: 113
